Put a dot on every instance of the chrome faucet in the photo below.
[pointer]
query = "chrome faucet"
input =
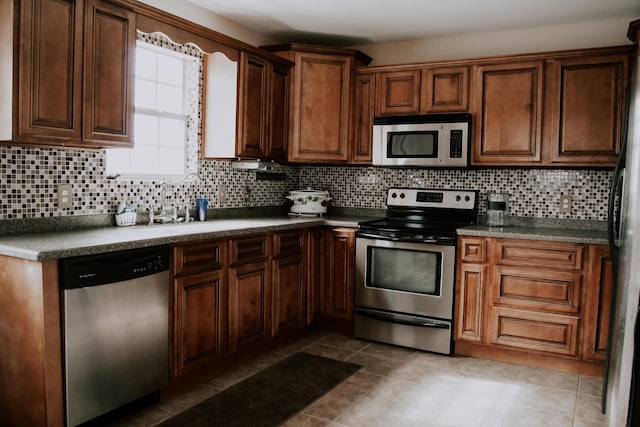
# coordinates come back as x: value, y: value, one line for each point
x: 165, y: 216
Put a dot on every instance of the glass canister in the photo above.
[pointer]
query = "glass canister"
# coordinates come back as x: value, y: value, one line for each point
x: 497, y: 209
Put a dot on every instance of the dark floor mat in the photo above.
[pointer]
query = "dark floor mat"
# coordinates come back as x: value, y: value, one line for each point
x: 269, y: 397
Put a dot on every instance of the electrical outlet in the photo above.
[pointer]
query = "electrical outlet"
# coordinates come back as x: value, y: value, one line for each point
x: 222, y: 193
x: 65, y: 196
x: 565, y: 203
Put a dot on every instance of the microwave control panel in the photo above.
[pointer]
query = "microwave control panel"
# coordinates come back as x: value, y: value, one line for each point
x: 455, y: 143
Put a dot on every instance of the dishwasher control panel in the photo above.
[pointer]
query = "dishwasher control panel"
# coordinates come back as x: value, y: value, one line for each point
x: 112, y: 267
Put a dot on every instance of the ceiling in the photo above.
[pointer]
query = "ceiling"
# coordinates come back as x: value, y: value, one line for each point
x: 359, y: 22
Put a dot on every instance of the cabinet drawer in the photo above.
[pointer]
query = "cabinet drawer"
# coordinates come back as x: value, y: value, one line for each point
x: 247, y: 249
x: 539, y: 254
x: 200, y: 256
x: 473, y: 249
x: 550, y: 333
x: 538, y: 289
x: 287, y: 243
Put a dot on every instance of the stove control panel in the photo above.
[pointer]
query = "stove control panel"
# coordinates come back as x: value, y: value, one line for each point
x: 431, y: 198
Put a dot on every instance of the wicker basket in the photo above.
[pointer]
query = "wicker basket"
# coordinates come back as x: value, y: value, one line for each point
x: 127, y: 218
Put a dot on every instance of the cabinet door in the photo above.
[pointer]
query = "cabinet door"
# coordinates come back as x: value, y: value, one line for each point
x: 470, y: 301
x: 363, y: 112
x: 50, y: 70
x: 587, y: 110
x: 249, y: 305
x: 444, y: 89
x: 315, y: 272
x: 252, y: 107
x: 278, y: 109
x: 200, y: 319
x: 597, y: 305
x: 507, y: 109
x: 338, y: 290
x: 289, y: 294
x: 110, y: 40
x: 398, y: 92
x: 320, y: 108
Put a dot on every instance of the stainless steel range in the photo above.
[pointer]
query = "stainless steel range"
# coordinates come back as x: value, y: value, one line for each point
x: 405, y: 267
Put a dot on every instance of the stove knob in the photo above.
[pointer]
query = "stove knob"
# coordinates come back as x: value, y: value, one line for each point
x: 458, y: 198
x: 394, y: 195
x: 467, y: 198
x: 402, y: 195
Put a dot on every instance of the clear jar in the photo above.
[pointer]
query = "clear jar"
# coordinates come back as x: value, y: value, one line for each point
x: 497, y: 209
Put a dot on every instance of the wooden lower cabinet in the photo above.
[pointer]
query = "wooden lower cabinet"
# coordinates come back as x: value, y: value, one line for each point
x: 289, y: 294
x: 315, y: 271
x: 597, y: 305
x: 249, y: 305
x: 338, y: 290
x: 200, y: 323
x: 535, y: 302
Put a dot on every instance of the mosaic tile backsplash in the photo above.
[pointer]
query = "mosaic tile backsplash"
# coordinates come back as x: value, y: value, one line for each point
x: 29, y: 179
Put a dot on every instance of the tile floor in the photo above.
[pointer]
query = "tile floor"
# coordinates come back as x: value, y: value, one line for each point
x: 402, y: 387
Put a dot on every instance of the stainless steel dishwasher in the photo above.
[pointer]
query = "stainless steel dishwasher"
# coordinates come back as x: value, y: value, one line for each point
x: 116, y: 329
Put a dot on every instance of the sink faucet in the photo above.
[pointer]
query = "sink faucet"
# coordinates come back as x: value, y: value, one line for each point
x: 163, y: 215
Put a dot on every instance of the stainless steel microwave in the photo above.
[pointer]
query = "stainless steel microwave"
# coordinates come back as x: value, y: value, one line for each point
x: 437, y: 140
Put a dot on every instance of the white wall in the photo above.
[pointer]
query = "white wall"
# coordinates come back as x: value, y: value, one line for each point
x: 530, y: 40
x: 206, y: 18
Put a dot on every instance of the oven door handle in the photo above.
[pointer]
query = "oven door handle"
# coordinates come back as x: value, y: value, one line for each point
x: 391, y: 239
x: 402, y: 320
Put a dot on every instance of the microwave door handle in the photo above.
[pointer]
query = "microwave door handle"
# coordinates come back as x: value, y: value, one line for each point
x: 402, y: 320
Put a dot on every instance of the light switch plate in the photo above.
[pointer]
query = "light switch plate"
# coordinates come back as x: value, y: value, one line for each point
x: 222, y: 193
x: 565, y: 203
x: 65, y: 196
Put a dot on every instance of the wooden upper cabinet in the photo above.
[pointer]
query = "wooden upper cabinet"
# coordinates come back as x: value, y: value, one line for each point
x: 586, y: 109
x: 320, y: 97
x: 74, y: 75
x: 362, y: 117
x: 252, y: 107
x: 444, y: 89
x: 278, y: 111
x: 49, y: 78
x: 110, y: 35
x: 507, y: 110
x: 263, y: 109
x: 398, y: 92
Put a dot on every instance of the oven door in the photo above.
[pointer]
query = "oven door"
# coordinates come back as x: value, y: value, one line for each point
x: 404, y: 277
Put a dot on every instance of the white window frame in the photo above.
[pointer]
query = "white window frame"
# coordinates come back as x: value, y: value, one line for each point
x: 131, y: 173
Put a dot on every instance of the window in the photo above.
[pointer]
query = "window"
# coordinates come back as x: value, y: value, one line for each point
x: 162, y: 115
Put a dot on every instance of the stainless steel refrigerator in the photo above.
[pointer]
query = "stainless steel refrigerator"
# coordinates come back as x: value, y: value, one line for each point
x: 620, y: 398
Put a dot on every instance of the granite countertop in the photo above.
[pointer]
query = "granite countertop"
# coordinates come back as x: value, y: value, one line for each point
x: 63, y: 244
x: 568, y: 235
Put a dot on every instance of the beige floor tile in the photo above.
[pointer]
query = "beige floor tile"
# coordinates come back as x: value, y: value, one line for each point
x: 375, y: 365
x: 320, y: 349
x: 222, y: 381
x: 541, y: 399
x: 548, y: 378
x: 294, y: 347
x: 332, y: 404
x: 344, y: 342
x: 590, y: 408
x: 304, y: 420
x: 361, y: 380
x: 491, y: 369
x: 374, y: 414
x: 529, y: 417
x: 454, y: 416
x: 421, y: 374
x: 588, y: 423
x: 478, y: 385
x: 400, y: 393
x: 591, y: 386
x: 386, y: 351
x: 438, y: 360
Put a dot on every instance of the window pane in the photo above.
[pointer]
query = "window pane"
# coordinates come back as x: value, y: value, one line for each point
x: 171, y: 160
x: 170, y: 70
x: 146, y: 129
x: 145, y: 94
x: 145, y: 64
x: 170, y: 99
x: 118, y: 161
x: 145, y: 159
x: 172, y: 132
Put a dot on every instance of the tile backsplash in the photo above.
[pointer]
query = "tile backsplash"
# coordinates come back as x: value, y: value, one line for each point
x: 28, y: 188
